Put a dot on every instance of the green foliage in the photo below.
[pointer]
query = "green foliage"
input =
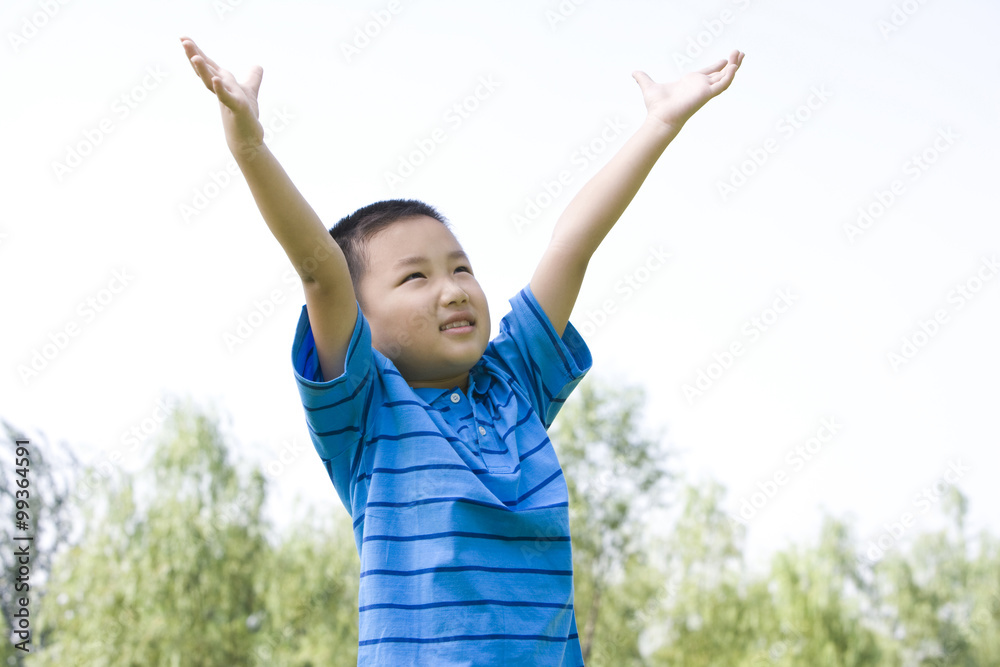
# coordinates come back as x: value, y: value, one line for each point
x: 615, y: 478
x: 175, y: 568
x: 690, y: 599
x: 168, y: 571
x: 311, y: 597
x: 825, y: 606
x: 942, y: 599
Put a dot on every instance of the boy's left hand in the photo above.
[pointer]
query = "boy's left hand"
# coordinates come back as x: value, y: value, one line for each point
x: 673, y: 103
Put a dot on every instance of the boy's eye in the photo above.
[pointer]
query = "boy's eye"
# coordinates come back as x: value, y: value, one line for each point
x: 416, y: 274
x: 464, y: 268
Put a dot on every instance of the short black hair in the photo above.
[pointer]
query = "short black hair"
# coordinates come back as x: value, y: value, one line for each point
x: 352, y: 232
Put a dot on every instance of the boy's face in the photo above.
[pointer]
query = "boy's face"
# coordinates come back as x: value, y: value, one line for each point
x: 419, y: 281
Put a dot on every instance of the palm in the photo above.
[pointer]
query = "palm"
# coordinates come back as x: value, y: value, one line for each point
x: 675, y: 102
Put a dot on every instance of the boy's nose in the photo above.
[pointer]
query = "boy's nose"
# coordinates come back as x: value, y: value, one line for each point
x: 453, y: 293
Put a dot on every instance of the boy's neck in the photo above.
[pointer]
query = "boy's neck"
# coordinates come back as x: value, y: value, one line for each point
x: 460, y: 381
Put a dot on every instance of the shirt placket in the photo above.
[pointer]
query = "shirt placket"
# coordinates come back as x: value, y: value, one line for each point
x: 466, y: 411
x: 488, y: 444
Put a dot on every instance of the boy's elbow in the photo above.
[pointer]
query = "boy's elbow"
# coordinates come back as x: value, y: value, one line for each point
x: 323, y: 265
x: 571, y: 256
x: 333, y: 293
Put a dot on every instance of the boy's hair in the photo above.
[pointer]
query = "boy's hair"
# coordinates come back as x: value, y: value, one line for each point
x: 353, y: 231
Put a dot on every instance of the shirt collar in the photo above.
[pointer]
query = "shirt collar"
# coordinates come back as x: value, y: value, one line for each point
x: 480, y: 380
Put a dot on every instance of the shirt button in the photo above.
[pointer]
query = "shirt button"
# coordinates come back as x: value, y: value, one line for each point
x: 482, y: 431
x: 455, y: 398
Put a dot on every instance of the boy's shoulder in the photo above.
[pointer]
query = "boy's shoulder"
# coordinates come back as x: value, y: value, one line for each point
x: 526, y: 352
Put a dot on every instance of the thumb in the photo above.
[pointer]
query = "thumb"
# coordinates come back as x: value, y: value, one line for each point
x: 642, y: 79
x: 253, y: 79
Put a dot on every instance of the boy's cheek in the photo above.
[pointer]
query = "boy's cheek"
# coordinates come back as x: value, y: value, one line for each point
x: 419, y: 320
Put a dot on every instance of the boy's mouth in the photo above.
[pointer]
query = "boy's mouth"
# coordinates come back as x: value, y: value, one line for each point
x: 454, y: 325
x: 459, y: 324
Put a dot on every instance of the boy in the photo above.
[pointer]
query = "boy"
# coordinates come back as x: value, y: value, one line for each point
x: 434, y: 436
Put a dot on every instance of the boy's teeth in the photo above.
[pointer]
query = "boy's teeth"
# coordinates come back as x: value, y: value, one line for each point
x: 461, y: 323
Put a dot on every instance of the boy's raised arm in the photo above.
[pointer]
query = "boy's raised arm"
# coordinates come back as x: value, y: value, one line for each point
x: 596, y: 208
x: 317, y: 258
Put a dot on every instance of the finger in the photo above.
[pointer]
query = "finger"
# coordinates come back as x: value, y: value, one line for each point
x: 193, y: 49
x: 189, y: 51
x: 224, y: 94
x: 190, y: 48
x: 253, y: 79
x: 203, y: 72
x: 725, y: 78
x: 714, y: 67
x: 718, y: 76
x: 719, y: 82
x: 642, y: 79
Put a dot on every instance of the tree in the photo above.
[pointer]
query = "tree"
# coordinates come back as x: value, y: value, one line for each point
x: 616, y: 479
x: 808, y: 610
x: 168, y: 572
x: 311, y: 596
x: 941, y: 599
x: 714, y: 614
x: 821, y: 597
x: 175, y: 568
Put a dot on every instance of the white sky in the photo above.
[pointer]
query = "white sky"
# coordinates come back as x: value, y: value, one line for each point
x: 878, y: 99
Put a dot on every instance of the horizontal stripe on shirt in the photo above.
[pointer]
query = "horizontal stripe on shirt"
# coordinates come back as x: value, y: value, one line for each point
x: 459, y: 504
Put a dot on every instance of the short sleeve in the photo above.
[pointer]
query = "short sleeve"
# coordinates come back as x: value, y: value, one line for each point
x: 546, y: 366
x: 337, y: 410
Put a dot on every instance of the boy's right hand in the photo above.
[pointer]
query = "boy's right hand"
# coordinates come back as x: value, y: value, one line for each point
x: 238, y: 101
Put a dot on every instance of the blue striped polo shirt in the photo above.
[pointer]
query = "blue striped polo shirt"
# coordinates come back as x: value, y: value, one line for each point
x: 460, y: 508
